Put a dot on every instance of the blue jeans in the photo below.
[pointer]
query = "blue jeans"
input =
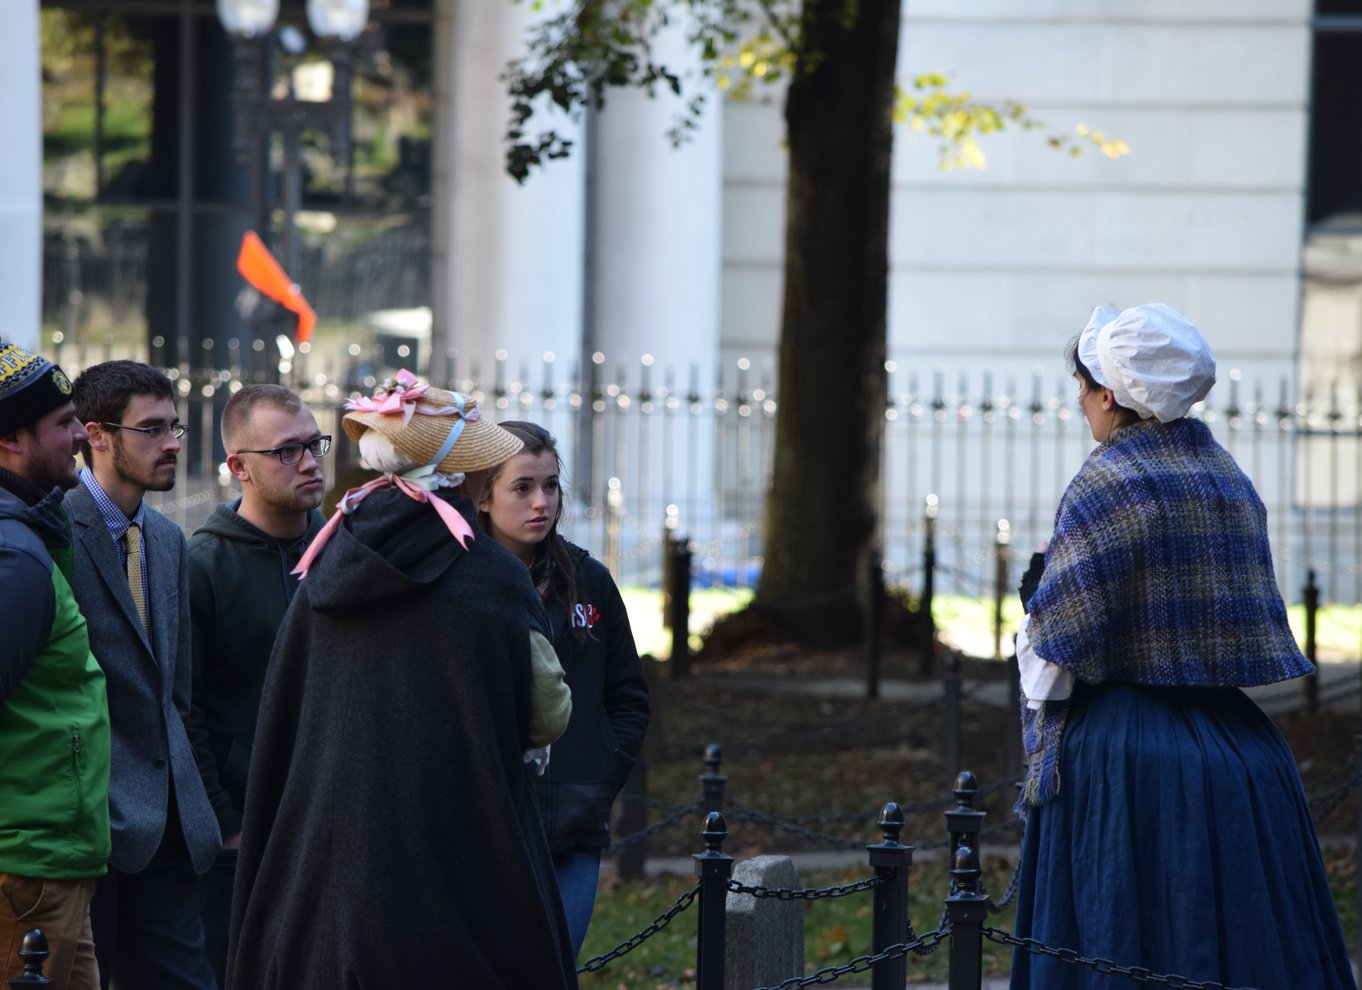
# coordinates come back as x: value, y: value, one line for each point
x: 577, y: 870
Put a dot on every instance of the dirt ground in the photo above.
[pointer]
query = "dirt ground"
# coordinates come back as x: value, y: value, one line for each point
x: 794, y: 750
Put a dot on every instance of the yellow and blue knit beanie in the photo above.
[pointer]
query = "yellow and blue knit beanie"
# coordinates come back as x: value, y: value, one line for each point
x: 30, y: 387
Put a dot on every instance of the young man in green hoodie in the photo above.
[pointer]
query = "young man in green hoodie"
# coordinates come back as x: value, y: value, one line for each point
x: 239, y: 589
x: 54, y: 712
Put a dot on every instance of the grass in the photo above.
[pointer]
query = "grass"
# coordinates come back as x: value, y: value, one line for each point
x: 836, y: 930
x: 965, y: 624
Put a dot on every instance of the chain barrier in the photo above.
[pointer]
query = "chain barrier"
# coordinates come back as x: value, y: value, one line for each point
x: 652, y: 802
x: 1104, y: 966
x: 986, y: 830
x: 804, y: 893
x: 1009, y: 895
x: 830, y: 974
x: 1322, y: 804
x: 740, y: 814
x: 634, y: 941
x: 636, y: 837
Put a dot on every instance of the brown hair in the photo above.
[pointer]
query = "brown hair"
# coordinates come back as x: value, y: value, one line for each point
x: 559, y: 576
x: 1124, y: 414
x: 241, y: 407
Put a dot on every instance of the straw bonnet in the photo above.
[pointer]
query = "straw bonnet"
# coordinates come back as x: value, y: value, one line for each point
x: 1151, y: 357
x: 418, y: 420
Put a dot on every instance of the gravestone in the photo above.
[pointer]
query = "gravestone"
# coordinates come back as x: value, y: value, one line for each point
x: 765, y: 935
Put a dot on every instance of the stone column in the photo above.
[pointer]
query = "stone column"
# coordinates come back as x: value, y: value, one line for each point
x: 507, y: 258
x: 21, y: 202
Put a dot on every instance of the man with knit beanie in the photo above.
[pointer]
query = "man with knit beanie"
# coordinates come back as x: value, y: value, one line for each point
x: 54, y: 715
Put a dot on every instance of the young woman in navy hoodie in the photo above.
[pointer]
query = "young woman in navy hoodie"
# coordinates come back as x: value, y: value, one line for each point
x: 521, y: 506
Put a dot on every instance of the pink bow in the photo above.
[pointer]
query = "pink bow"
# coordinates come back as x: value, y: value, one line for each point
x: 401, y: 395
x: 453, y: 519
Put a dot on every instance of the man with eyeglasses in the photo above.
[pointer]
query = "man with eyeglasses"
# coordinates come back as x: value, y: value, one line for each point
x: 132, y: 583
x: 239, y: 589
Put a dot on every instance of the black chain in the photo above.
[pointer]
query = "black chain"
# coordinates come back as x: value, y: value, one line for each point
x: 739, y: 814
x: 1105, y: 966
x: 987, y: 830
x: 1322, y: 804
x: 1009, y: 895
x: 860, y: 964
x: 804, y: 893
x: 634, y: 941
x: 655, y: 827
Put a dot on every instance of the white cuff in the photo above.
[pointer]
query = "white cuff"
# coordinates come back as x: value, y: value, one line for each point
x: 1041, y: 680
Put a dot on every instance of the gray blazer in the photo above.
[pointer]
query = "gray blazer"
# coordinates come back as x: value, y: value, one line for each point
x: 148, y: 679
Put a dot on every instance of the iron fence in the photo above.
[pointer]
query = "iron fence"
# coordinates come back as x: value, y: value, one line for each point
x: 652, y: 449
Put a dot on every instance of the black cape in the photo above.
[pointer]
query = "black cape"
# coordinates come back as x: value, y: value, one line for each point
x: 390, y: 837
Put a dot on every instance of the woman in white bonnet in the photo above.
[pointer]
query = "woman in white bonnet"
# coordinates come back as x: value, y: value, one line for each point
x: 1166, y: 825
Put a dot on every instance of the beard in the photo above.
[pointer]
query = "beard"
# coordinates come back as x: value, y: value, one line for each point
x: 149, y: 475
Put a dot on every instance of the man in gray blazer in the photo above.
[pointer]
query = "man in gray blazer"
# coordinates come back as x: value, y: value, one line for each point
x: 131, y: 581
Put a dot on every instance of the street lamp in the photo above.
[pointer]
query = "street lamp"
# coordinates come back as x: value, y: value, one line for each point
x: 257, y: 112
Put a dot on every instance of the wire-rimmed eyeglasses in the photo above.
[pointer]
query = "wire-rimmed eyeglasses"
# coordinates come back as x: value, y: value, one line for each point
x: 292, y: 453
x: 150, y: 432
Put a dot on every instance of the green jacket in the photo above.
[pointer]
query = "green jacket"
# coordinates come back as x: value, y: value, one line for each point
x: 54, y: 714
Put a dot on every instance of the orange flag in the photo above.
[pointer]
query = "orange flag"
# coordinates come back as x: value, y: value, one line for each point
x: 258, y: 267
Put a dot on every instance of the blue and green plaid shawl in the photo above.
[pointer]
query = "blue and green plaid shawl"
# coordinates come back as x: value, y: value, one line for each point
x: 1158, y: 573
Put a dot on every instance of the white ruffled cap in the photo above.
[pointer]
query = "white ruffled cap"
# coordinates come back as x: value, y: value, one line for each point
x: 1151, y: 357
x: 1087, y: 343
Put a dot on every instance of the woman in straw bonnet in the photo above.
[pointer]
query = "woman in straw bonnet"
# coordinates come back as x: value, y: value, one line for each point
x: 1166, y: 825
x: 390, y: 837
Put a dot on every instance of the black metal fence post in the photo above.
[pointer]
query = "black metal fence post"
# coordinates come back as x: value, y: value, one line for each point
x: 966, y: 909
x: 963, y: 820
x: 950, y: 715
x: 889, y: 918
x: 33, y: 952
x: 1012, y: 748
x: 679, y: 566
x: 1311, y: 599
x: 927, y: 656
x: 874, y: 616
x: 632, y: 864
x: 1000, y: 542
x: 714, y: 868
x: 712, y: 781
x: 668, y: 548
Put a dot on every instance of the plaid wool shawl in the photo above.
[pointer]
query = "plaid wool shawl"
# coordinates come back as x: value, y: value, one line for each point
x: 1158, y: 573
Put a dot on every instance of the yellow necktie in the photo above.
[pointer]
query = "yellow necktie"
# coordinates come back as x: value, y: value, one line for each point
x: 133, y: 539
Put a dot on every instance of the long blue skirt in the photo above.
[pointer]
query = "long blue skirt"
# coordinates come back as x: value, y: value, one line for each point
x: 1180, y: 841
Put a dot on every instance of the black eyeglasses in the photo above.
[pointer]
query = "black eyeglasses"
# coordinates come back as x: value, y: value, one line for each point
x: 292, y: 453
x: 150, y: 432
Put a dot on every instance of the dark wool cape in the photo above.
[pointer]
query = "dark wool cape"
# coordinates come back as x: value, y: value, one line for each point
x: 390, y: 837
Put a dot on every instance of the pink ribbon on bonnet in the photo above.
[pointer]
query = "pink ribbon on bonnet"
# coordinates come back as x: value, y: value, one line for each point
x: 401, y: 398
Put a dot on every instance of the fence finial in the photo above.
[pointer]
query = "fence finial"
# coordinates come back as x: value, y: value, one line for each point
x: 33, y: 951
x: 891, y: 822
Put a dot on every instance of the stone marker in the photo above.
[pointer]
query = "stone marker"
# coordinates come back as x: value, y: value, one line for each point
x: 765, y: 944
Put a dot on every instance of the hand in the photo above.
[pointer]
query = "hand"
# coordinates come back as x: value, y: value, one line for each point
x: 1031, y: 580
x: 233, y: 843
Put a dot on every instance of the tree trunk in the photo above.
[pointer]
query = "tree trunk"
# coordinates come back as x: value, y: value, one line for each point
x: 822, y: 513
